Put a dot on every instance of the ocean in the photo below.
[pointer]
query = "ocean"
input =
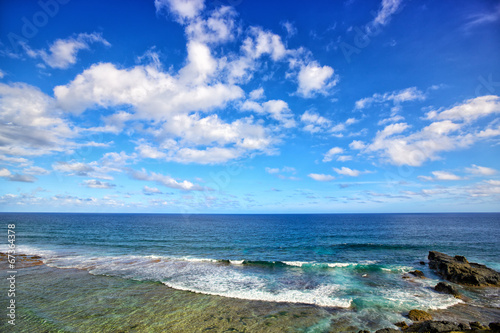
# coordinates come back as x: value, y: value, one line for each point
x: 334, y: 272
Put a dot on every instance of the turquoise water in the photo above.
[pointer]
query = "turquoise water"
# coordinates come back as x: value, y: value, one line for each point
x: 355, y: 262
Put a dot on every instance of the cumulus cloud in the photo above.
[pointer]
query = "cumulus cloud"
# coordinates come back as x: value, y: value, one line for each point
x: 440, y: 136
x: 93, y: 183
x: 219, y: 27
x: 347, y: 172
x: 35, y: 171
x: 151, y: 190
x: 74, y: 169
x: 468, y: 111
x: 261, y: 42
x: 321, y: 177
x: 182, y: 9
x: 314, y: 123
x: 30, y: 123
x: 5, y: 173
x: 351, y: 172
x: 444, y: 175
x: 63, y: 52
x: 480, y: 170
x: 275, y: 109
x: 272, y: 170
x: 328, y: 156
x: 154, y: 94
x: 314, y: 78
x: 396, y: 97
x: 164, y: 180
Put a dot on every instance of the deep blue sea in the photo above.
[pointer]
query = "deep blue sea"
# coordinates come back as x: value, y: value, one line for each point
x: 353, y: 261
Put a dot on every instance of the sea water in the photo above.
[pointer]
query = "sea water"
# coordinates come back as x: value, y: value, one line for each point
x: 356, y: 262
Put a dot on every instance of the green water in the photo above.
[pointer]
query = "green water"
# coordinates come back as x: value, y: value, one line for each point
x: 68, y: 300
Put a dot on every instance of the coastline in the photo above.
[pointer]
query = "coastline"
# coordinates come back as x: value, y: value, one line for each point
x: 61, y: 300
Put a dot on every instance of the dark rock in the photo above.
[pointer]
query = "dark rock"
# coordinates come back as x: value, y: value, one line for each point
x: 402, y: 325
x: 388, y: 330
x: 422, y: 263
x: 461, y: 259
x: 446, y: 288
x: 419, y: 315
x: 439, y: 326
x: 463, y: 327
x: 495, y: 327
x: 363, y: 331
x: 475, y: 325
x: 459, y: 270
x: 417, y: 273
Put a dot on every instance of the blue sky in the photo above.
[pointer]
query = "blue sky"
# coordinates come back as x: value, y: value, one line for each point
x: 237, y: 106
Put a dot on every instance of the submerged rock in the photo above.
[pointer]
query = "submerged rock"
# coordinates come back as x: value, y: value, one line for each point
x: 388, y: 330
x: 419, y: 315
x: 495, y: 327
x: 436, y: 327
x: 475, y: 325
x: 417, y: 273
x: 457, y: 269
x: 402, y: 325
x: 446, y: 288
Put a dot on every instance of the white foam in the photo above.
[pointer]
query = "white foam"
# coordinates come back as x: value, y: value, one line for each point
x: 313, y: 297
x: 341, y: 264
x: 236, y: 262
x: 296, y: 263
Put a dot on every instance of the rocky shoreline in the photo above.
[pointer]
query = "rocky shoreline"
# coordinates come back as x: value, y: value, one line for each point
x: 459, y: 318
x: 458, y: 270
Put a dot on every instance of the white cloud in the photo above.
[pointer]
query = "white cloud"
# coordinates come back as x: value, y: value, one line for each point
x: 480, y: 170
x: 313, y: 78
x: 97, y: 169
x: 154, y: 94
x: 164, y: 180
x: 444, y: 175
x: 2, y: 74
x: 182, y: 9
x: 314, y: 123
x: 321, y: 177
x: 493, y: 182
x: 92, y: 183
x: 4, y: 172
x: 396, y: 97
x: 34, y: 170
x: 74, y: 168
x: 290, y: 29
x: 272, y: 170
x: 22, y: 178
x: 469, y: 110
x: 328, y: 156
x: 276, y: 109
x: 344, y: 158
x: 30, y: 124
x: 356, y: 144
x: 486, y: 17
x: 257, y: 93
x: 217, y: 28
x: 62, y: 53
x: 347, y: 172
x: 383, y: 17
x: 261, y: 43
x: 440, y: 136
x: 212, y: 155
x: 145, y: 150
x: 151, y: 190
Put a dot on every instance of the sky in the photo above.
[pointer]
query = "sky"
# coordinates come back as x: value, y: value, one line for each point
x: 238, y: 106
